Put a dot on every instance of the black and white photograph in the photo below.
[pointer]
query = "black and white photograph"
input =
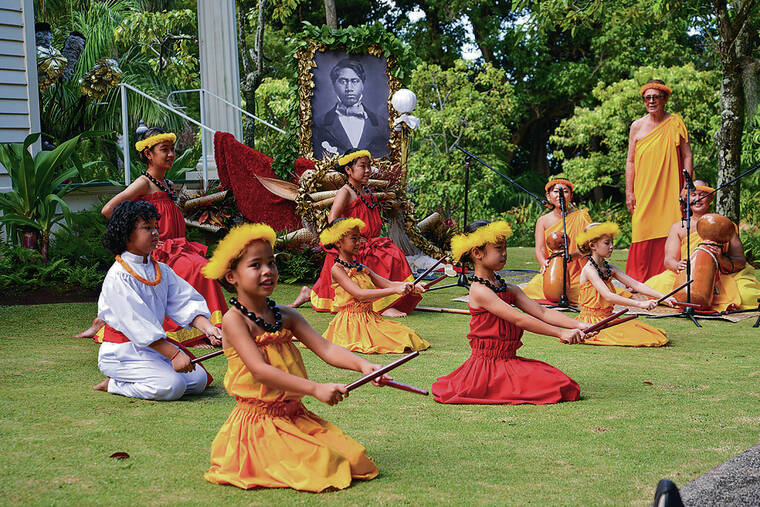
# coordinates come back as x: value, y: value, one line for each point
x: 349, y: 106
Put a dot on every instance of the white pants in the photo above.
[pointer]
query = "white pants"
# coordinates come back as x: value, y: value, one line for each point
x: 146, y: 374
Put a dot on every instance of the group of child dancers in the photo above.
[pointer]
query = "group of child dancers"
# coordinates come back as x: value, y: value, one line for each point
x: 270, y: 439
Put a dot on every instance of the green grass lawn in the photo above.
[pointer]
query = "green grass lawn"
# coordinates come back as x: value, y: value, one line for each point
x: 644, y: 414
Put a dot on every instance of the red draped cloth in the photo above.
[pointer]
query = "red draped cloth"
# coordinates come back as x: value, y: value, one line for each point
x: 186, y: 258
x: 379, y: 254
x: 494, y: 374
x: 646, y: 259
x: 238, y: 165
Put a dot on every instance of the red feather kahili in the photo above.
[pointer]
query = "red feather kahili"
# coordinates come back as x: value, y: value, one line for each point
x: 237, y: 164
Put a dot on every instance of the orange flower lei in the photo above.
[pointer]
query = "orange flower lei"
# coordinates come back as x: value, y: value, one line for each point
x: 656, y: 86
x: 131, y: 271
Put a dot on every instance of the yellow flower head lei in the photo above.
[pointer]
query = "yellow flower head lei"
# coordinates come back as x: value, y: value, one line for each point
x: 338, y: 229
x: 705, y: 189
x: 558, y: 181
x: 494, y: 232
x: 350, y: 157
x: 656, y: 86
x: 154, y: 140
x: 596, y: 231
x: 233, y: 245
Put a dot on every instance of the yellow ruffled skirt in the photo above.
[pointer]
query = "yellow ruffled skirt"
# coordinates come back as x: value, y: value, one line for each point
x: 359, y: 329
x: 628, y: 334
x: 283, y: 445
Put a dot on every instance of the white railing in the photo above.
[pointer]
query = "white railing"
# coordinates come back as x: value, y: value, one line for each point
x: 205, y: 92
x: 125, y: 130
x: 175, y: 109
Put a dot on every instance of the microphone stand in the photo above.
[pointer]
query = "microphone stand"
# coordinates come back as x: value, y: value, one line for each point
x: 564, y: 301
x: 462, y: 280
x: 687, y: 312
x: 742, y: 175
x: 540, y: 201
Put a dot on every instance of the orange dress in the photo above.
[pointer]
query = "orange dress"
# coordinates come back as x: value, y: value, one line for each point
x: 270, y: 440
x: 656, y: 186
x: 633, y: 333
x: 736, y: 290
x: 359, y: 328
x: 575, y: 223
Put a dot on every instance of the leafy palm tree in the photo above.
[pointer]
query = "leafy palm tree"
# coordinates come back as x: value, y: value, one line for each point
x: 67, y: 112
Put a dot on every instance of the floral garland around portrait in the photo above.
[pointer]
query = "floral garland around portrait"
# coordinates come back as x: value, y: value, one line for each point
x: 317, y: 188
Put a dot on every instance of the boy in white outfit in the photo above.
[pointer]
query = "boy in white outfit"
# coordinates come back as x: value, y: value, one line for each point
x: 136, y: 357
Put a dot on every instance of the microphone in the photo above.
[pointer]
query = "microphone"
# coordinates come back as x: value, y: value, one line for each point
x: 561, y: 195
x: 689, y: 181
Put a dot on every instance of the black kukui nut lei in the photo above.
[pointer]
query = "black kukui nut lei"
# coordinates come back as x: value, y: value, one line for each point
x: 607, y: 267
x: 350, y: 265
x: 165, y: 186
x: 269, y: 328
x: 373, y: 202
x: 499, y: 280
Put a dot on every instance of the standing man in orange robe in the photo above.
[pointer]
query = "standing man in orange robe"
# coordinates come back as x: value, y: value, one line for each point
x: 658, y: 151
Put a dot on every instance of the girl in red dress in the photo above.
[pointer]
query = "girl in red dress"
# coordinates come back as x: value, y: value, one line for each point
x: 185, y: 257
x: 381, y: 255
x: 494, y: 374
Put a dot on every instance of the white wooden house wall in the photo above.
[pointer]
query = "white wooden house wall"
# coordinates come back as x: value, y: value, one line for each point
x: 19, y: 96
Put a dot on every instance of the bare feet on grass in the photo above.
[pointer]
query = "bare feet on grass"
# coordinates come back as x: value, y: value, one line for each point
x: 392, y: 312
x: 103, y: 386
x: 303, y: 296
x: 91, y: 331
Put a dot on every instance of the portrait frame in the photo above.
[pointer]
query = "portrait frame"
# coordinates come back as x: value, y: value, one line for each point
x: 307, y: 64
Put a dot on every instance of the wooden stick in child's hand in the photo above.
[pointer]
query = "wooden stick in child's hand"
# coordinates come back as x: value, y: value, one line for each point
x: 601, y: 324
x: 666, y: 296
x: 207, y: 356
x: 619, y: 321
x: 442, y: 310
x: 379, y: 372
x: 429, y: 270
x: 430, y: 284
x: 687, y: 305
x: 405, y: 387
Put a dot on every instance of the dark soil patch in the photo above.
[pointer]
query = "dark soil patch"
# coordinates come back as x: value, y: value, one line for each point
x: 48, y: 295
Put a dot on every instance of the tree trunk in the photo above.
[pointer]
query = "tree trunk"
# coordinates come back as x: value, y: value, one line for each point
x: 536, y: 140
x: 734, y: 48
x: 331, y: 14
x: 45, y: 246
x: 729, y: 141
x: 253, y: 68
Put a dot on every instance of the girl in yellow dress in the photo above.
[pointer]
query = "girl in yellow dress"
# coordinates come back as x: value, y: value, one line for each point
x: 357, y: 326
x: 270, y: 440
x: 598, y: 296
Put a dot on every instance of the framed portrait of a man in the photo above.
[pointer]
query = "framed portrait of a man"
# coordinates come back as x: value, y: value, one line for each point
x: 350, y: 104
x: 345, y: 102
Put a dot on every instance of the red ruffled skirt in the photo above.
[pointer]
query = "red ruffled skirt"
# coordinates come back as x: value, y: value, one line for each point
x: 494, y: 375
